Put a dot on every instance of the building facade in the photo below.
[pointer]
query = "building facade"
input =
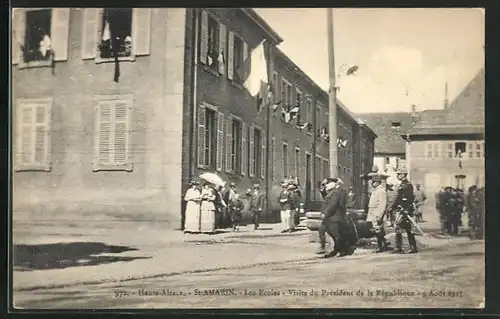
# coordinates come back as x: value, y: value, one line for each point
x: 118, y: 128
x: 449, y: 150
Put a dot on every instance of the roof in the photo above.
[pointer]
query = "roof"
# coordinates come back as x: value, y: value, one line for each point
x: 263, y: 25
x: 465, y: 114
x: 389, y: 140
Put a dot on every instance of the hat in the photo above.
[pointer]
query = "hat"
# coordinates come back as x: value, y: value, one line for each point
x: 255, y: 186
x: 376, y: 178
x: 232, y: 184
x: 402, y: 171
x: 192, y: 183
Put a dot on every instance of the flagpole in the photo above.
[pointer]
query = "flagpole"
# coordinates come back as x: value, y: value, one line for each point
x: 332, y: 120
x: 267, y: 105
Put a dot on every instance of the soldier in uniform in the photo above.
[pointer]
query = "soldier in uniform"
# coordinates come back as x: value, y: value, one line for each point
x: 403, y: 206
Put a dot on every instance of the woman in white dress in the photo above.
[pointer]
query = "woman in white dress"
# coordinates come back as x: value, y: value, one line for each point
x: 193, y: 199
x: 208, y: 197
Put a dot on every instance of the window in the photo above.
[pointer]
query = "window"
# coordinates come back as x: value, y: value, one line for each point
x: 112, y: 140
x: 297, y: 162
x: 238, y: 58
x: 285, y: 160
x: 210, y: 137
x: 33, y: 118
x: 479, y: 149
x: 233, y: 146
x: 450, y: 150
x: 39, y: 36
x: 131, y: 29
x: 213, y: 39
x: 286, y: 93
x: 317, y: 114
x: 459, y: 149
x: 116, y: 24
x: 309, y: 111
x: 326, y: 168
x: 436, y: 150
x: 298, y: 101
x: 255, y: 152
x: 275, y: 88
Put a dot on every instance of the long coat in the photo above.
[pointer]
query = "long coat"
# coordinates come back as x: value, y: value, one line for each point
x: 256, y: 202
x: 334, y: 205
x: 377, y: 204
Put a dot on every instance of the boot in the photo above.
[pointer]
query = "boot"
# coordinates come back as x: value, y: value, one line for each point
x: 413, y: 244
x: 399, y: 244
x: 331, y: 254
x: 380, y: 245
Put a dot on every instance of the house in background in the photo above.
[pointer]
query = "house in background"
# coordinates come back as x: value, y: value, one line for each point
x: 448, y: 150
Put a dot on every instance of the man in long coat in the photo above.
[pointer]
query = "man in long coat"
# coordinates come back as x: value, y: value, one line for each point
x: 376, y: 211
x: 333, y: 215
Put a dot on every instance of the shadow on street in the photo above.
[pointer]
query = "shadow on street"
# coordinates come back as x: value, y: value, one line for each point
x: 64, y: 255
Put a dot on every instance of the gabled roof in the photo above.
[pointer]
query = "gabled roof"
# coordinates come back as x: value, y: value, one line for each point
x: 388, y: 139
x: 258, y: 20
x: 465, y: 114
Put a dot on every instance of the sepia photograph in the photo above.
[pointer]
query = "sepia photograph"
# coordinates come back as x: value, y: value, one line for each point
x: 241, y: 158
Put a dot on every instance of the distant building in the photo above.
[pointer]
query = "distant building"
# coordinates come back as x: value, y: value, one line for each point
x: 448, y: 149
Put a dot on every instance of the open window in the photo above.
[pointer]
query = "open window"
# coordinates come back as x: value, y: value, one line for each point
x: 116, y: 33
x: 460, y: 148
x: 396, y: 125
x: 37, y: 43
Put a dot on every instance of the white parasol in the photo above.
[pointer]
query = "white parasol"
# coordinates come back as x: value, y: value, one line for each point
x: 212, y: 178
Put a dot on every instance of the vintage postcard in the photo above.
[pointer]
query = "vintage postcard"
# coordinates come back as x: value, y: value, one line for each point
x: 247, y: 158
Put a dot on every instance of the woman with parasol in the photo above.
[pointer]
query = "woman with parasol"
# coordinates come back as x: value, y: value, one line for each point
x: 209, y: 196
x: 193, y: 199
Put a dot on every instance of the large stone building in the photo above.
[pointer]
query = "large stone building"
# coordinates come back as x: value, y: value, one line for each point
x: 107, y: 137
x: 448, y: 150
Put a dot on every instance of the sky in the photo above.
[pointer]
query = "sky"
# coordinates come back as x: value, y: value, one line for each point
x: 397, y: 51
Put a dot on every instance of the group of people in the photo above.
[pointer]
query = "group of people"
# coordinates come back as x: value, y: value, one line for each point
x: 337, y: 223
x: 290, y: 200
x: 452, y: 203
x: 209, y: 207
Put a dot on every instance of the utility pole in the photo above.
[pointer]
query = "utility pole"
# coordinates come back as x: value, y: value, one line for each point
x: 332, y: 121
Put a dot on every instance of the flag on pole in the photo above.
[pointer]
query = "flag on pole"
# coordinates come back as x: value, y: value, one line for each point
x: 106, y: 34
x: 257, y: 81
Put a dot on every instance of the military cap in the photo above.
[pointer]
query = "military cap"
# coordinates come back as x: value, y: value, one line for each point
x: 402, y: 171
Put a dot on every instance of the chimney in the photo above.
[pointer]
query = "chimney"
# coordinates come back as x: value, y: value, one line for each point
x: 446, y: 96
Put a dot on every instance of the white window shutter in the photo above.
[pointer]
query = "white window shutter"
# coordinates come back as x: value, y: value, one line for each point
x: 244, y: 147
x: 220, y: 142
x: 26, y: 145
x: 263, y: 157
x: 39, y: 138
x: 90, y: 32
x: 18, y: 29
x: 230, y: 55
x: 204, y: 37
x: 245, y: 66
x: 103, y: 151
x: 141, y: 31
x: 229, y: 145
x: 59, y: 33
x: 222, y: 47
x: 120, y: 136
x: 252, y: 154
x: 201, y: 136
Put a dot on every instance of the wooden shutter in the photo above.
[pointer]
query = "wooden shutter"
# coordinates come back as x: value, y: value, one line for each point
x: 40, y: 138
x: 59, y: 33
x: 121, y: 134
x: 252, y: 154
x: 222, y: 46
x: 104, y: 134
x: 90, y: 32
x: 274, y: 158
x: 18, y: 29
x: 229, y: 145
x: 204, y: 37
x: 26, y: 148
x: 230, y: 56
x: 219, y: 141
x: 263, y: 161
x: 245, y: 71
x: 141, y: 31
x: 201, y: 136
x: 244, y: 147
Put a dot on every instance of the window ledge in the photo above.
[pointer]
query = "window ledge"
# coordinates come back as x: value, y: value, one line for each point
x: 35, y: 64
x: 126, y: 168
x: 108, y: 60
x: 33, y: 168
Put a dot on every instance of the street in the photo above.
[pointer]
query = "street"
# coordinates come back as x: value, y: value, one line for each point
x: 237, y: 270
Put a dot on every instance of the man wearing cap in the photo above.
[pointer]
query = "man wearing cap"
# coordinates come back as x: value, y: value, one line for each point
x: 333, y: 214
x: 256, y: 205
x: 376, y: 209
x: 404, y: 207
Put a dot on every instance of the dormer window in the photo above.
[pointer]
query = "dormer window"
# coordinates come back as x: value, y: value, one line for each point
x: 396, y: 125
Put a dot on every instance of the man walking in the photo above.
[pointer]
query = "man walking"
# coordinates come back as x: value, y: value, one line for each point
x: 333, y: 214
x: 403, y: 206
x: 376, y: 211
x: 256, y: 205
x: 420, y: 199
